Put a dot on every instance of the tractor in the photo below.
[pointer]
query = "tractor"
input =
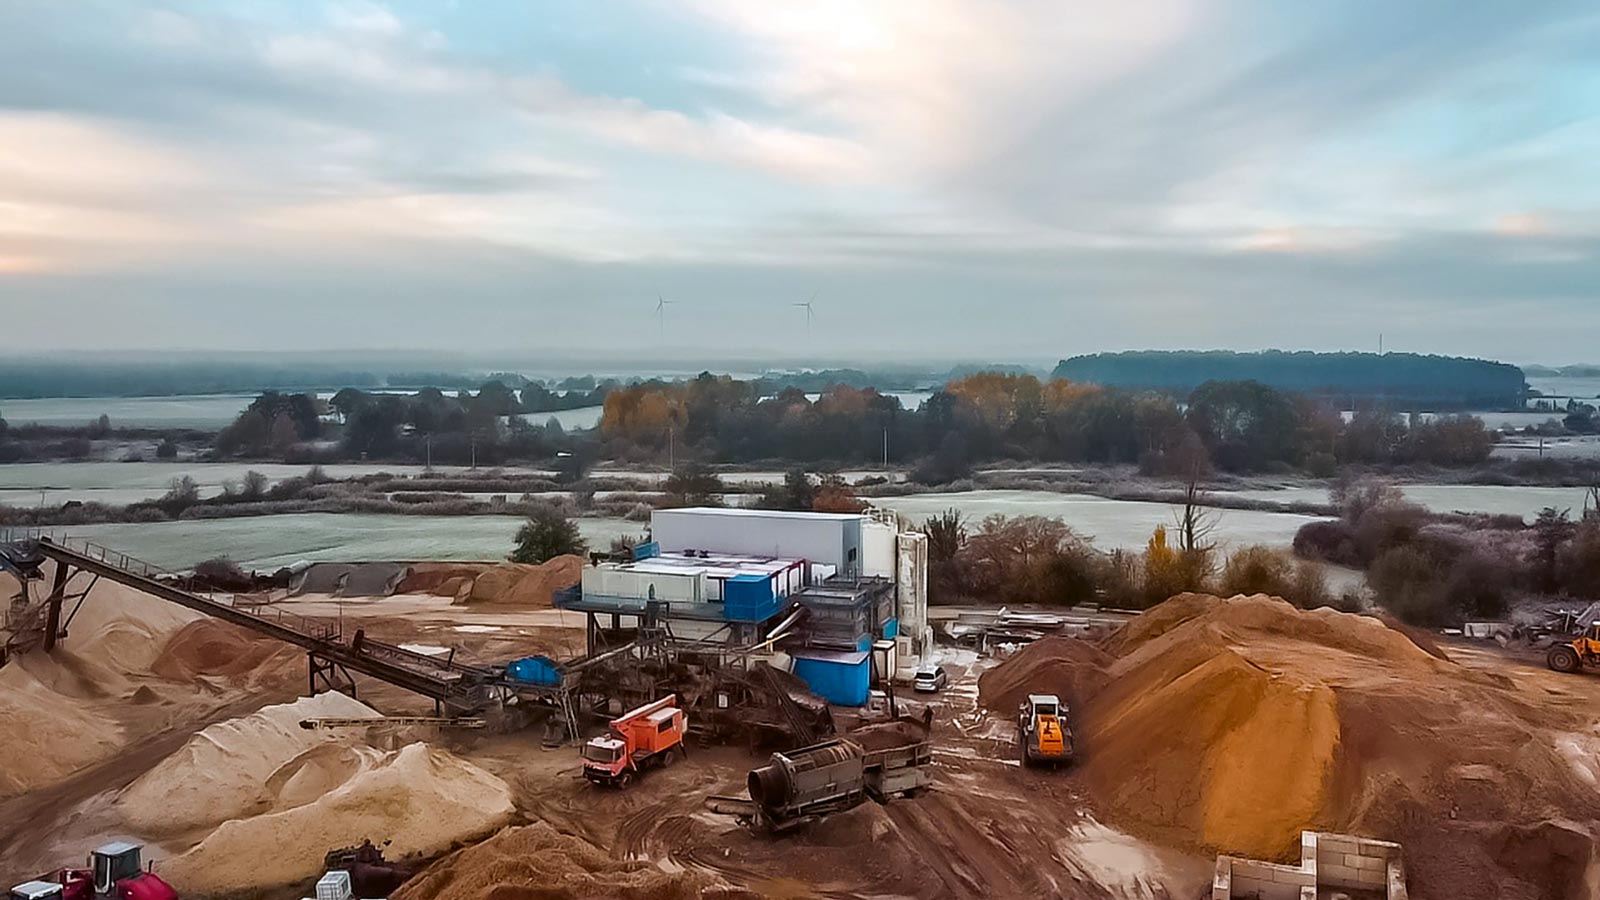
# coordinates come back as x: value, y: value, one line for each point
x: 113, y: 873
x: 1574, y: 654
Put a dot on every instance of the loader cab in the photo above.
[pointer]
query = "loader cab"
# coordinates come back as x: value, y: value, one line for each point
x: 113, y: 863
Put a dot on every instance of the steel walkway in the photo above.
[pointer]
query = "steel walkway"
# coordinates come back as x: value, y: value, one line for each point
x: 457, y: 687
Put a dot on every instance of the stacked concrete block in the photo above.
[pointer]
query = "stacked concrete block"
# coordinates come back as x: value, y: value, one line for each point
x: 1327, y: 861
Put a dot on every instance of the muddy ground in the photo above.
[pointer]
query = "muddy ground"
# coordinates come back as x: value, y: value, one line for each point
x: 988, y: 827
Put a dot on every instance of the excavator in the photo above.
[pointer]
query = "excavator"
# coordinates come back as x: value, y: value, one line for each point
x: 1043, y: 735
x: 1575, y: 653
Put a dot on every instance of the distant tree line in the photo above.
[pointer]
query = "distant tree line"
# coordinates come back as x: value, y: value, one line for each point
x: 1236, y: 426
x: 1406, y: 380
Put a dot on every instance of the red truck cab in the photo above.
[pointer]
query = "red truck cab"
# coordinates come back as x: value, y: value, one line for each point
x: 648, y: 736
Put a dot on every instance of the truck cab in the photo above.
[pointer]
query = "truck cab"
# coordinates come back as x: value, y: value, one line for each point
x: 651, y: 735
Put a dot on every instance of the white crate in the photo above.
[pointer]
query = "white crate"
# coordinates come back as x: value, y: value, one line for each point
x: 334, y: 886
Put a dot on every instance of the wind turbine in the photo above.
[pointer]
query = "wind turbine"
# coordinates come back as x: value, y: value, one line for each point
x: 661, y: 315
x: 807, y: 306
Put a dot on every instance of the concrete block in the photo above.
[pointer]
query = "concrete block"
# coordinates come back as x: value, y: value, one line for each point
x: 1369, y: 878
x: 1376, y: 863
x: 1222, y: 879
x: 1329, y: 875
x: 1248, y: 887
x: 1397, y: 881
x: 1381, y: 849
x: 1295, y: 877
x: 1337, y: 843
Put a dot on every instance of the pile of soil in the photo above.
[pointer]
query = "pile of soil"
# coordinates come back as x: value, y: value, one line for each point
x: 1066, y: 667
x: 1230, y: 725
x: 62, y: 712
x: 511, y: 584
x: 210, y: 647
x: 536, y: 861
x: 883, y: 735
x: 49, y: 735
x: 424, y: 800
x: 230, y: 770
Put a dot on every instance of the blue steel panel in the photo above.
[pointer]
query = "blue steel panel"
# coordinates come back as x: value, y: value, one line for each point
x: 534, y: 670
x: 843, y: 684
x: 749, y: 598
x: 891, y: 629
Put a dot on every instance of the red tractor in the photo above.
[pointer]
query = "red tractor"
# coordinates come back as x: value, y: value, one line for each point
x: 648, y: 736
x: 113, y: 873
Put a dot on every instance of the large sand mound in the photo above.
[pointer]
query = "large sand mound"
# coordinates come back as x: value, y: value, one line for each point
x: 213, y: 649
x: 223, y: 772
x: 422, y: 799
x: 536, y: 861
x: 511, y: 584
x: 48, y: 736
x: 1230, y: 725
x: 60, y: 712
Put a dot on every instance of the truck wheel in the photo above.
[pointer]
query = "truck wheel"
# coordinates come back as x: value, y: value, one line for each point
x: 669, y: 757
x: 1563, y: 658
x: 625, y: 779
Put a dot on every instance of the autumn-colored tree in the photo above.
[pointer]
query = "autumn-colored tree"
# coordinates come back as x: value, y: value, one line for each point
x: 835, y: 496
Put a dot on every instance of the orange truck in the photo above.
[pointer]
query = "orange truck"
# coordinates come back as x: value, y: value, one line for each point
x: 651, y: 735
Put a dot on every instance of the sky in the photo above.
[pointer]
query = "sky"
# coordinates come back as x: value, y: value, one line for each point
x: 938, y: 178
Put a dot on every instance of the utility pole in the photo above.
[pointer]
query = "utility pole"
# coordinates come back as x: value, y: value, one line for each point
x: 474, y: 450
x: 672, y: 465
x: 428, y: 440
x: 886, y: 448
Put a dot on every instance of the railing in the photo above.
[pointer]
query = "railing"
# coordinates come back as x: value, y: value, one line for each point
x: 321, y: 629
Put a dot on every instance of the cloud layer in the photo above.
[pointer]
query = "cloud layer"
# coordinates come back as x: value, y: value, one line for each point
x: 1016, y: 180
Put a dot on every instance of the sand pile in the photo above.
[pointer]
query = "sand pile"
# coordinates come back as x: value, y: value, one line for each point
x: 422, y: 799
x: 60, y: 712
x: 210, y: 648
x: 226, y: 771
x: 536, y: 861
x: 1067, y: 667
x: 1231, y: 725
x: 48, y: 736
x: 519, y: 585
x: 441, y: 579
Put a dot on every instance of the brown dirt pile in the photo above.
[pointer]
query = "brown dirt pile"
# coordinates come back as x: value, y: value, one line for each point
x: 1230, y: 725
x: 422, y: 799
x: 213, y: 648
x: 511, y: 584
x: 535, y: 862
x: 1071, y: 669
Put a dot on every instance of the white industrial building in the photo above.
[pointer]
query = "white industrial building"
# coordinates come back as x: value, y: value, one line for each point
x: 851, y: 545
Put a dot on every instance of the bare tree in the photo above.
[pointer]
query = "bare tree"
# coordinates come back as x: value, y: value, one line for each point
x: 1195, y: 519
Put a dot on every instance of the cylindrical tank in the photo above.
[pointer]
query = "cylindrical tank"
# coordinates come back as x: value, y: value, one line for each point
x: 821, y: 773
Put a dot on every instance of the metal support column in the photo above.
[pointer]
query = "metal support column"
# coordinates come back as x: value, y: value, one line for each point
x: 52, y: 620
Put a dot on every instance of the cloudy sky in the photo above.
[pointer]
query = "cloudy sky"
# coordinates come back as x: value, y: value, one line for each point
x: 1019, y: 181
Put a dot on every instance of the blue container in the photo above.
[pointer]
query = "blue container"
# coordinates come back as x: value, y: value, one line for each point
x: 843, y: 679
x: 891, y: 629
x: 539, y: 670
x: 648, y: 550
x: 749, y: 598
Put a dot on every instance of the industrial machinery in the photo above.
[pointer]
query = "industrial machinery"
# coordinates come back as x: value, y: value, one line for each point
x: 370, y: 874
x: 1574, y: 654
x: 648, y: 736
x: 804, y: 785
x: 113, y: 873
x: 1043, y: 736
